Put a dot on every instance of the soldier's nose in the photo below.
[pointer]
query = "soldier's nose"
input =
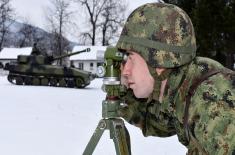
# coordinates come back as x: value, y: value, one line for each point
x: 126, y: 70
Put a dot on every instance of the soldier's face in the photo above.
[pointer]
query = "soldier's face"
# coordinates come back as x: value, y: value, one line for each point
x: 136, y: 75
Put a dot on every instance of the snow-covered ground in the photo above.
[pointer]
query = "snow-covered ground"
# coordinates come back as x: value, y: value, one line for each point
x: 60, y: 121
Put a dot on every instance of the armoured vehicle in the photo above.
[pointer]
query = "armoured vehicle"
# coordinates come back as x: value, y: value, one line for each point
x: 38, y: 70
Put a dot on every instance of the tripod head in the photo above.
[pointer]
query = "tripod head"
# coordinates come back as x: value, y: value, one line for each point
x: 111, y: 71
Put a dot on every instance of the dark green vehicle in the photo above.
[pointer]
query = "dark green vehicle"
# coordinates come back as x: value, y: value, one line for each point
x: 36, y: 69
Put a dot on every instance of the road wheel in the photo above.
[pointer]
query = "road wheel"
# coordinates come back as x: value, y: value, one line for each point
x: 80, y: 83
x: 62, y: 82
x: 10, y: 78
x: 28, y: 80
x: 71, y: 83
x: 19, y: 80
x: 44, y: 82
x: 36, y: 81
x: 53, y: 82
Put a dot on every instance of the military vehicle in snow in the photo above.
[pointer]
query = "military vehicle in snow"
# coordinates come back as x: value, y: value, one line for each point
x: 36, y: 69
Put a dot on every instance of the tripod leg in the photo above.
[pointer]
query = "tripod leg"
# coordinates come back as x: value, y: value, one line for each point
x: 128, y: 140
x: 120, y: 137
x: 95, y: 138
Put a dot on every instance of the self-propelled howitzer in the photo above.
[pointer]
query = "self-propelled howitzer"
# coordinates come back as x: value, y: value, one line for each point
x: 38, y: 70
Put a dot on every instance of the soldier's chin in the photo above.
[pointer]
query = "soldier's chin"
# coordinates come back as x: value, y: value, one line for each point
x: 139, y: 94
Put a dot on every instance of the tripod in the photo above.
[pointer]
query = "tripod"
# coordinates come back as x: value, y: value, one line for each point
x: 110, y: 118
x: 112, y: 122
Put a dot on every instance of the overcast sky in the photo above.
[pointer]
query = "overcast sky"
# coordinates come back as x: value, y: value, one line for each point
x: 34, y: 10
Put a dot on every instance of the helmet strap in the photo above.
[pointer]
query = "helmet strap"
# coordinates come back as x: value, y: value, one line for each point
x: 157, y: 82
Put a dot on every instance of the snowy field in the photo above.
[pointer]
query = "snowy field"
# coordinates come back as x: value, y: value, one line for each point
x: 60, y: 121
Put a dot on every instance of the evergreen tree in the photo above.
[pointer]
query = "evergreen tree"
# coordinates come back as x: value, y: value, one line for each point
x: 214, y: 23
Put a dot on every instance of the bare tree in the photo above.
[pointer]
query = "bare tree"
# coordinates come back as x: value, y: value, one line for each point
x: 113, y: 17
x: 28, y: 33
x: 104, y: 15
x: 94, y: 9
x: 6, y: 19
x: 59, y: 17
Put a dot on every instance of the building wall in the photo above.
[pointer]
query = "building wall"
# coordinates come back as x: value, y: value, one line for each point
x: 5, y: 61
x: 87, y: 65
x: 3, y: 72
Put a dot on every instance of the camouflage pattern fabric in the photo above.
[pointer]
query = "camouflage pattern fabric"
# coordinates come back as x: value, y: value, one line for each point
x: 211, y: 111
x: 138, y: 113
x: 161, y: 33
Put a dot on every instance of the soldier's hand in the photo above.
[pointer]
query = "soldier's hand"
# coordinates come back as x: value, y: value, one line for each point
x: 134, y: 110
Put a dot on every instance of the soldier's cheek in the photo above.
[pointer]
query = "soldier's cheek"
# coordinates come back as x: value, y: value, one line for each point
x: 124, y: 81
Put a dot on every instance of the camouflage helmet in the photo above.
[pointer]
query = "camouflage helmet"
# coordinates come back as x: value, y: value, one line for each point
x: 161, y: 33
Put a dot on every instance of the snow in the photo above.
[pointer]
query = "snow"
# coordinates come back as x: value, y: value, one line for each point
x: 38, y: 120
x: 12, y: 53
x: 96, y: 52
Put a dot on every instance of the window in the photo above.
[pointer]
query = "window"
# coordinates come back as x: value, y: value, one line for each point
x: 91, y: 65
x: 1, y: 65
x: 80, y: 65
x: 72, y: 64
x: 99, y: 64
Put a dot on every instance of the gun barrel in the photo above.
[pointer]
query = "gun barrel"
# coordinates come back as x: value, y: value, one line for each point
x: 74, y: 53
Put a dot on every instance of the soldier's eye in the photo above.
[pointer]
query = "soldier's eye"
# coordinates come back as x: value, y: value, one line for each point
x: 124, y: 62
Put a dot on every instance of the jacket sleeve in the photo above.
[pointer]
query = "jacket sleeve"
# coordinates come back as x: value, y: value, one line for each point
x: 137, y: 112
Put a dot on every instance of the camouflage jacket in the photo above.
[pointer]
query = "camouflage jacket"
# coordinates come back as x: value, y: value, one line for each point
x: 211, y: 111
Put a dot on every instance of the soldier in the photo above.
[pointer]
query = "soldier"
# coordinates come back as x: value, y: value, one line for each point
x: 35, y: 50
x: 171, y: 91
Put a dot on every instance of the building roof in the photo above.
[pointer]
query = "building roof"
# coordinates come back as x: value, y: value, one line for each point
x: 12, y: 53
x: 96, y: 53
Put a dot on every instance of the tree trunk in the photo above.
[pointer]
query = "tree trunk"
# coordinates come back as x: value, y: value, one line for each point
x: 93, y: 35
x: 103, y: 36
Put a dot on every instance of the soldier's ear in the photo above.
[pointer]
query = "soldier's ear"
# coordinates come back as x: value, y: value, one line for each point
x: 160, y: 70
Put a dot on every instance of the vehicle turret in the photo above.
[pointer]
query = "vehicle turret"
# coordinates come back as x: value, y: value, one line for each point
x: 41, y: 59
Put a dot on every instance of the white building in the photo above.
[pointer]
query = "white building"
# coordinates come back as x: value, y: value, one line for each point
x: 10, y: 54
x: 88, y: 61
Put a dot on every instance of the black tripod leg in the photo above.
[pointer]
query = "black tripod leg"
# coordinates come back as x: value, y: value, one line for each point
x: 119, y: 136
x: 95, y: 138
